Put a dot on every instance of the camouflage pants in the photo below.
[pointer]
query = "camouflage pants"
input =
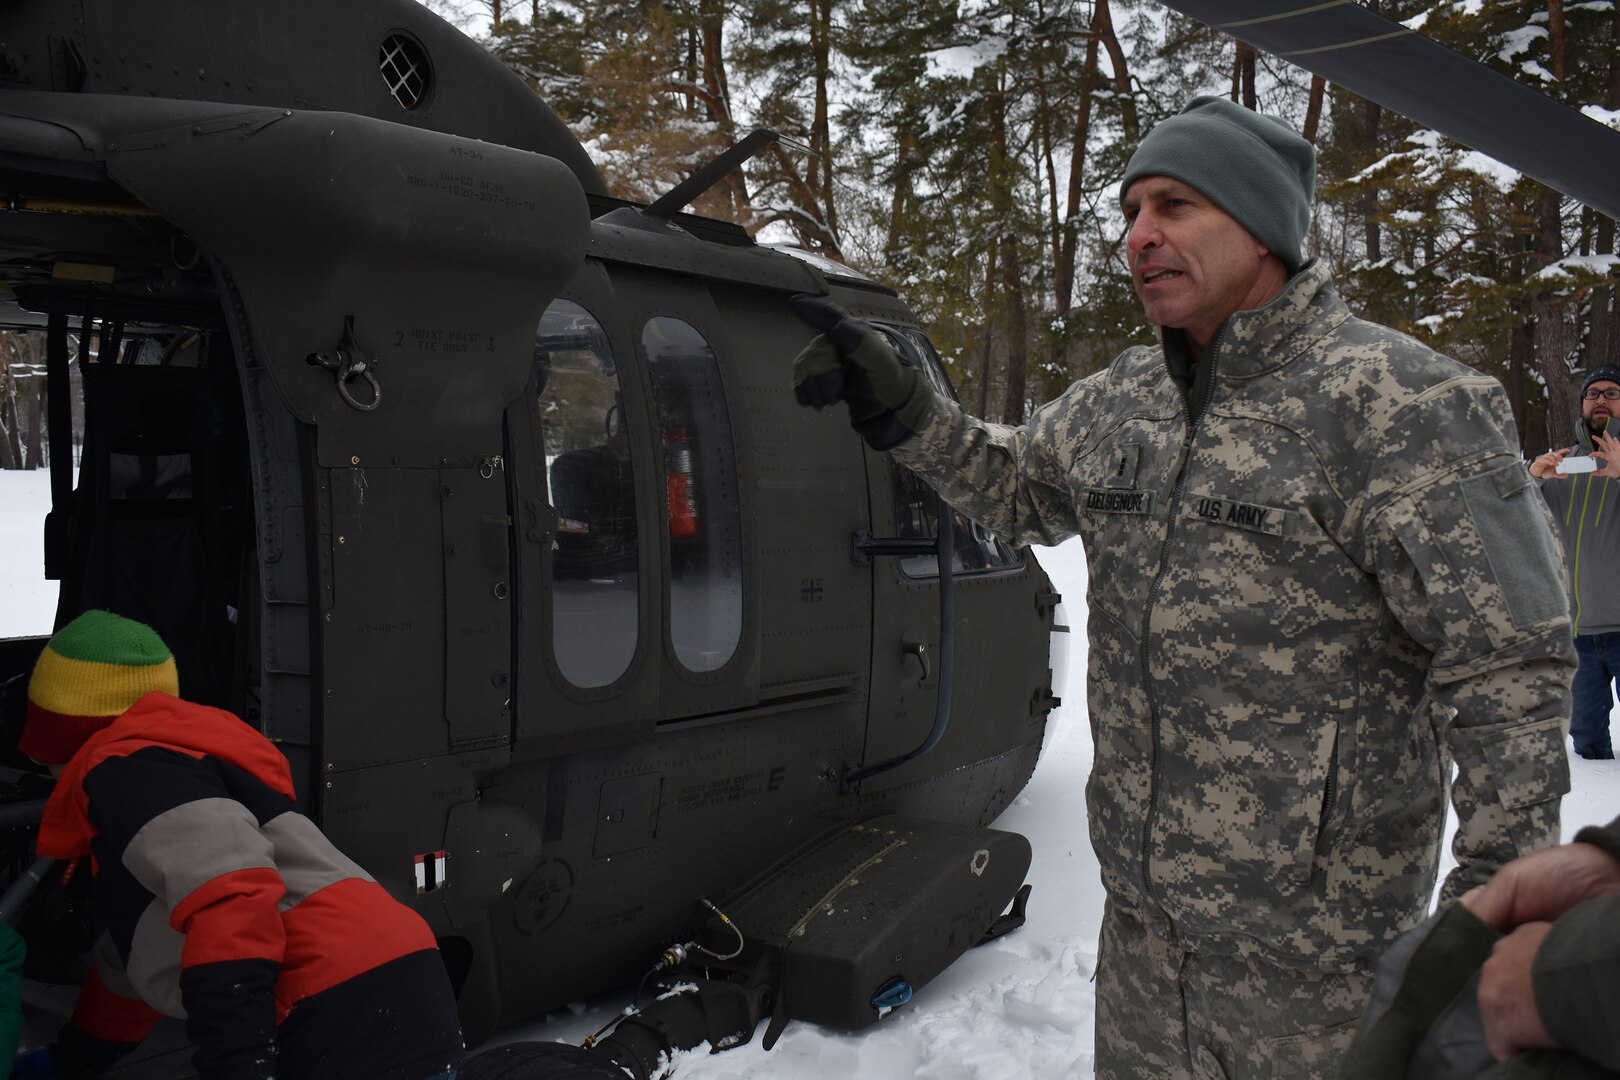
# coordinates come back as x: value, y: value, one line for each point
x: 1165, y: 1014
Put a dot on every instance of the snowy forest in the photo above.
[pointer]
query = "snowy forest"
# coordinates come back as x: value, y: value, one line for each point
x: 968, y: 154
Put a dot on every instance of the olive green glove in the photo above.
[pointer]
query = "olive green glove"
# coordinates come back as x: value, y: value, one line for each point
x: 889, y: 400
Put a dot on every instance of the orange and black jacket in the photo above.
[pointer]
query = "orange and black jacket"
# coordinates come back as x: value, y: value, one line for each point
x: 220, y: 903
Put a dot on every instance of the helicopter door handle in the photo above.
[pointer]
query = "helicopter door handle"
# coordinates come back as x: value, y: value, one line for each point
x: 920, y: 651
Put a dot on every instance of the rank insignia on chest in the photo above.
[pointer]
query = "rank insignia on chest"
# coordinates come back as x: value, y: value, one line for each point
x: 1108, y: 501
x: 1122, y: 465
x: 1237, y: 514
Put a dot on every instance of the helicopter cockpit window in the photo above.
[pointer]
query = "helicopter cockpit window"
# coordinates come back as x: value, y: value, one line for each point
x: 595, y: 581
x: 977, y: 549
x: 700, y: 484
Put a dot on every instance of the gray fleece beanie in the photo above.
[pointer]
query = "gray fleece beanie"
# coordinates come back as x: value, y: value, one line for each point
x: 1255, y: 167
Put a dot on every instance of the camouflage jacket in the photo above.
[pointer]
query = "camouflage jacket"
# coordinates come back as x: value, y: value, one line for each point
x: 1302, y: 606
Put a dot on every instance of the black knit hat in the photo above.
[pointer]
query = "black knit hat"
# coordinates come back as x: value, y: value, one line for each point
x: 1255, y: 167
x: 1606, y: 373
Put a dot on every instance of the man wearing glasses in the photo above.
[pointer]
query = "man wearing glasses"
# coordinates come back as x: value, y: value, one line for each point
x: 1577, y: 483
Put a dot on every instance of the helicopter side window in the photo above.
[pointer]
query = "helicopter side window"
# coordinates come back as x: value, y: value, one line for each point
x: 700, y: 487
x: 595, y: 583
x: 977, y: 550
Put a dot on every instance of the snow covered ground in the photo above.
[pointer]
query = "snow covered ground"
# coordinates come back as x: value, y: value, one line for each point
x: 1017, y: 1008
x: 27, y: 600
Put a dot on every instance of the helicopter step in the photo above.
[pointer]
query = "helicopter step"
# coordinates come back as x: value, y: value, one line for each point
x: 840, y: 933
x: 874, y: 907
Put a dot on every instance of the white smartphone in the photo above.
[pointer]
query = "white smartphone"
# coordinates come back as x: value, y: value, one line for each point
x: 1578, y: 465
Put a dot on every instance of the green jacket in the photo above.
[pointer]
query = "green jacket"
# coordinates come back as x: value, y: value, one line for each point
x: 1301, y: 604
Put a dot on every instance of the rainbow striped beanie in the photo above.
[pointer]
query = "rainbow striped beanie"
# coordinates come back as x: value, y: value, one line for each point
x: 93, y: 669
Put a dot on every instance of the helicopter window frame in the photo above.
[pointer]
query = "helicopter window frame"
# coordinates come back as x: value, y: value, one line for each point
x: 977, y: 551
x: 595, y: 579
x: 699, y: 498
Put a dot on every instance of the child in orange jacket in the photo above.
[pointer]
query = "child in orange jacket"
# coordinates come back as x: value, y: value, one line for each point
x: 218, y: 901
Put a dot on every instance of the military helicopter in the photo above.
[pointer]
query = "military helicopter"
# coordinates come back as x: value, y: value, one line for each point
x: 485, y: 496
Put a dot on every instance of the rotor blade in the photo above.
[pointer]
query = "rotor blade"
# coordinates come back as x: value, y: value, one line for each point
x: 1419, y: 78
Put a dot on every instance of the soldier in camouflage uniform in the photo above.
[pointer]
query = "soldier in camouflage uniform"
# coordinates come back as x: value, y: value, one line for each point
x: 1319, y: 574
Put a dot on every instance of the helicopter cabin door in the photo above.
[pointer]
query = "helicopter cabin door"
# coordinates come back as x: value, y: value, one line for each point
x: 906, y: 636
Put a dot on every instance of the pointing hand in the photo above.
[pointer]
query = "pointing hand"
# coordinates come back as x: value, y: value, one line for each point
x: 889, y: 400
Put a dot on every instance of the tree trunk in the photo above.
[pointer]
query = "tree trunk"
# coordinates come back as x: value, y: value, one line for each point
x: 1549, y: 341
x: 987, y: 347
x: 1243, y: 76
x: 34, y: 445
x: 712, y: 18
x: 1600, y: 345
x: 1603, y: 336
x: 1371, y: 113
x: 1431, y: 211
x: 821, y: 128
x: 1313, y: 108
x: 1002, y: 172
x: 1552, y: 340
x: 1053, y: 233
x: 1556, y: 37
x: 11, y: 455
x: 712, y: 23
x: 1521, y: 354
x: 1012, y: 284
x: 810, y: 228
x: 1614, y: 60
x: 1063, y: 270
x: 900, y: 198
x: 1103, y: 23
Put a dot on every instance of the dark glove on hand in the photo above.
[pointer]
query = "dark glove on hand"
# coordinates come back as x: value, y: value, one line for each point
x: 889, y: 400
x: 34, y: 1065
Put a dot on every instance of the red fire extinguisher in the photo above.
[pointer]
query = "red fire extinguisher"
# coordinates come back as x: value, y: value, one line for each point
x: 683, y: 518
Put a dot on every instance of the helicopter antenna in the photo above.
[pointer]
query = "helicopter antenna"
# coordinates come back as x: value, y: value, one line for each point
x: 709, y: 175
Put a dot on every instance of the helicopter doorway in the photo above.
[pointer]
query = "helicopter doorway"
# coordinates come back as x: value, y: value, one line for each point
x: 158, y: 526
